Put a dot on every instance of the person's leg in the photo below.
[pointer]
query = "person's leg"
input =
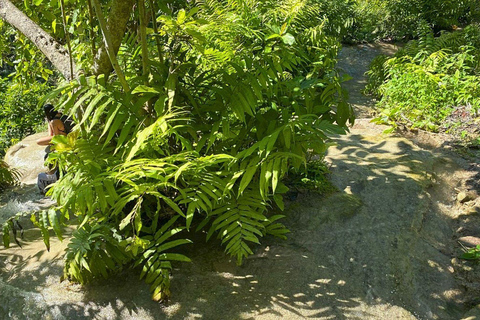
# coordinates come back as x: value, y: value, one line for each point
x: 42, y: 182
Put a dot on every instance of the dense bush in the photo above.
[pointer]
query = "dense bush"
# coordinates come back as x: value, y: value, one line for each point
x: 399, y: 19
x: 200, y: 135
x: 7, y: 34
x: 20, y: 113
x: 25, y: 77
x: 429, y: 78
x: 371, y: 19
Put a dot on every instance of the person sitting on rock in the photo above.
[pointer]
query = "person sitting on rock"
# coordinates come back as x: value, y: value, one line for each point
x: 55, y: 125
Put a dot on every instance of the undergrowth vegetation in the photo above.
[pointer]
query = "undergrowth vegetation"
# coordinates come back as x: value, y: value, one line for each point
x: 429, y: 79
x: 200, y: 135
x: 20, y: 112
x: 25, y: 78
x: 214, y: 110
x: 312, y: 177
x: 8, y: 176
x: 25, y: 72
x: 399, y: 19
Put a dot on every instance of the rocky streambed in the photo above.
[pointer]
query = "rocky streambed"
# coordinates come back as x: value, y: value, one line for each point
x: 385, y: 246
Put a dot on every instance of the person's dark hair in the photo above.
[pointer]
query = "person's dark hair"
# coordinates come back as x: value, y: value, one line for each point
x: 50, y: 111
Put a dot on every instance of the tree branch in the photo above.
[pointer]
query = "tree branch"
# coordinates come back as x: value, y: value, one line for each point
x: 53, y: 50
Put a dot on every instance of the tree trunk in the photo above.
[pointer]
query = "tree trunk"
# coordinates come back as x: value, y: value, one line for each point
x: 53, y: 50
x: 118, y: 18
x: 107, y: 43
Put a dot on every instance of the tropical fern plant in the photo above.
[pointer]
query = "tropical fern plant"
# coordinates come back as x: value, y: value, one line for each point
x: 202, y: 140
x: 8, y: 176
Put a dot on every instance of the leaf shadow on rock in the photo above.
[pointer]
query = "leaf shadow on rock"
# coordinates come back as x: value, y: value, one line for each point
x: 377, y: 249
x: 281, y: 280
x: 403, y: 232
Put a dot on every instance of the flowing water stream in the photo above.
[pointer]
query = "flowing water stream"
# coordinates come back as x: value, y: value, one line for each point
x: 22, y: 199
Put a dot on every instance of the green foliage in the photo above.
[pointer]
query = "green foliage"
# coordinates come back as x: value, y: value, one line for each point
x: 236, y: 97
x: 12, y: 226
x: 471, y: 254
x: 8, y: 176
x: 45, y: 220
x: 313, y: 176
x: 156, y: 261
x: 377, y: 74
x: 398, y: 19
x: 20, y: 112
x: 7, y: 49
x: 94, y: 251
x: 20, y: 60
x: 25, y: 77
x: 229, y: 100
x: 230, y: 97
x: 371, y: 21
x: 428, y: 79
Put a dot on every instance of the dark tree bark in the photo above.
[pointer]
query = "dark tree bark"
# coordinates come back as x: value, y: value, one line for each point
x: 53, y: 50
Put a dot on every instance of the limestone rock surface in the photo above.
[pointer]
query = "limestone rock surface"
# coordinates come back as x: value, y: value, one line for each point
x: 473, y: 314
x: 28, y: 157
x: 465, y: 196
x: 380, y: 251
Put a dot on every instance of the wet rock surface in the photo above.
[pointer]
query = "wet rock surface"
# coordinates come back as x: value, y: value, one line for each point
x: 23, y: 198
x: 27, y: 157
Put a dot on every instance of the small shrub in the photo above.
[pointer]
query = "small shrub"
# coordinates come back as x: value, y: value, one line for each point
x: 376, y: 75
x: 471, y: 254
x: 428, y: 79
x: 313, y: 176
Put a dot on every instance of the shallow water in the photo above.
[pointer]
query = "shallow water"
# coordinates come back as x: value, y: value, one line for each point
x: 22, y: 199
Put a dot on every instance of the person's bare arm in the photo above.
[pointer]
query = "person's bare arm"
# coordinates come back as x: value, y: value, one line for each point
x: 44, y: 141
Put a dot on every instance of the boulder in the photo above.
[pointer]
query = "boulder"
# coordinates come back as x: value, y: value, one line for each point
x: 465, y: 196
x: 470, y: 241
x: 27, y: 157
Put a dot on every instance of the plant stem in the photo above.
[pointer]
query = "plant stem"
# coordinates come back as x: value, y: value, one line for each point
x: 145, y: 59
x: 155, y: 29
x: 92, y: 34
x: 143, y: 39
